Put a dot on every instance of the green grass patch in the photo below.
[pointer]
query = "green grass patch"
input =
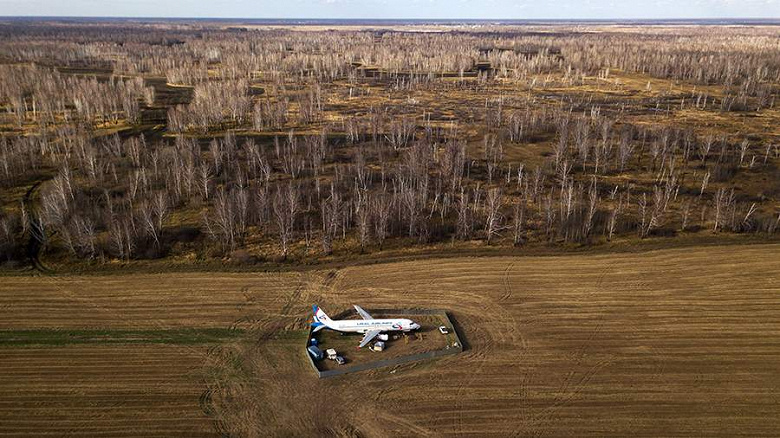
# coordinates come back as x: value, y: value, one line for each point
x: 184, y: 336
x: 291, y: 335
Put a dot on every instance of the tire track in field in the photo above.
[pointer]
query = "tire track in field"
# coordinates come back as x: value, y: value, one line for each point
x: 205, y: 401
x: 574, y: 381
x: 411, y: 428
x: 482, y: 345
x: 492, y: 326
x: 507, y: 284
x: 221, y: 356
x: 515, y: 332
x: 118, y: 316
x: 478, y: 356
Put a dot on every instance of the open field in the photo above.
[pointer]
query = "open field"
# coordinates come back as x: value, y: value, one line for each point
x: 671, y: 342
x: 102, y: 390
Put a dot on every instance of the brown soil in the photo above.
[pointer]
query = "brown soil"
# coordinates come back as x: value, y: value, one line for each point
x: 670, y: 342
x: 107, y: 391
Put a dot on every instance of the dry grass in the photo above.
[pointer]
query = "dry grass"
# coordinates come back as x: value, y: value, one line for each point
x: 141, y: 301
x: 107, y: 391
x: 669, y: 342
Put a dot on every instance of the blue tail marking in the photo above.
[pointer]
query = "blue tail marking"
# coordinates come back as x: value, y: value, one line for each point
x: 316, y: 322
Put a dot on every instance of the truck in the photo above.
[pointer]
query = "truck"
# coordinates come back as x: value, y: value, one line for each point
x: 378, y: 346
x: 331, y: 353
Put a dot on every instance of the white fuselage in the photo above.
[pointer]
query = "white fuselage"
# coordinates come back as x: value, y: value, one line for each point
x: 370, y: 327
x: 363, y: 326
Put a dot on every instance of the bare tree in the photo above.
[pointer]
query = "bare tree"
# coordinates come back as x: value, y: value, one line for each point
x: 518, y: 220
x: 494, y: 152
x: 149, y: 223
x: 401, y: 132
x: 705, y: 147
x: 704, y: 182
x: 613, y: 217
x: 625, y: 150
x: 285, y: 209
x: 515, y: 127
x: 743, y: 148
x: 685, y: 212
x: 221, y: 223
x: 593, y: 200
x: 493, y: 217
x: 722, y: 202
x: 363, y: 218
x: 464, y: 215
x: 204, y: 180
x: 382, y: 206
x: 161, y: 208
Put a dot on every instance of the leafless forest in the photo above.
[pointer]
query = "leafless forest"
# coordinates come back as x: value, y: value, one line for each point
x: 198, y: 141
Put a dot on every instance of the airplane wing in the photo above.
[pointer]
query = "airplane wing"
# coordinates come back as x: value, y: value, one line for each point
x: 368, y: 337
x: 363, y: 314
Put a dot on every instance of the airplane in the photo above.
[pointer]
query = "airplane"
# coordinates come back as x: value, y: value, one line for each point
x: 369, y: 326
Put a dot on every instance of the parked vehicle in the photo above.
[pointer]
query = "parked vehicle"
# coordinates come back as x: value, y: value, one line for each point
x: 315, y: 352
x: 443, y: 329
x: 383, y: 337
x: 378, y: 346
x: 331, y: 353
x: 340, y: 360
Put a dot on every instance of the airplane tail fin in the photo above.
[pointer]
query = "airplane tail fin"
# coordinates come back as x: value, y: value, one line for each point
x: 321, y: 319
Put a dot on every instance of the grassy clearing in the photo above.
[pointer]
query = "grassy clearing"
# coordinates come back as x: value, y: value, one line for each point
x: 185, y: 336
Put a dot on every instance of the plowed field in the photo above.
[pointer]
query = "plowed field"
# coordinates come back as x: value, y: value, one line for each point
x: 671, y: 342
